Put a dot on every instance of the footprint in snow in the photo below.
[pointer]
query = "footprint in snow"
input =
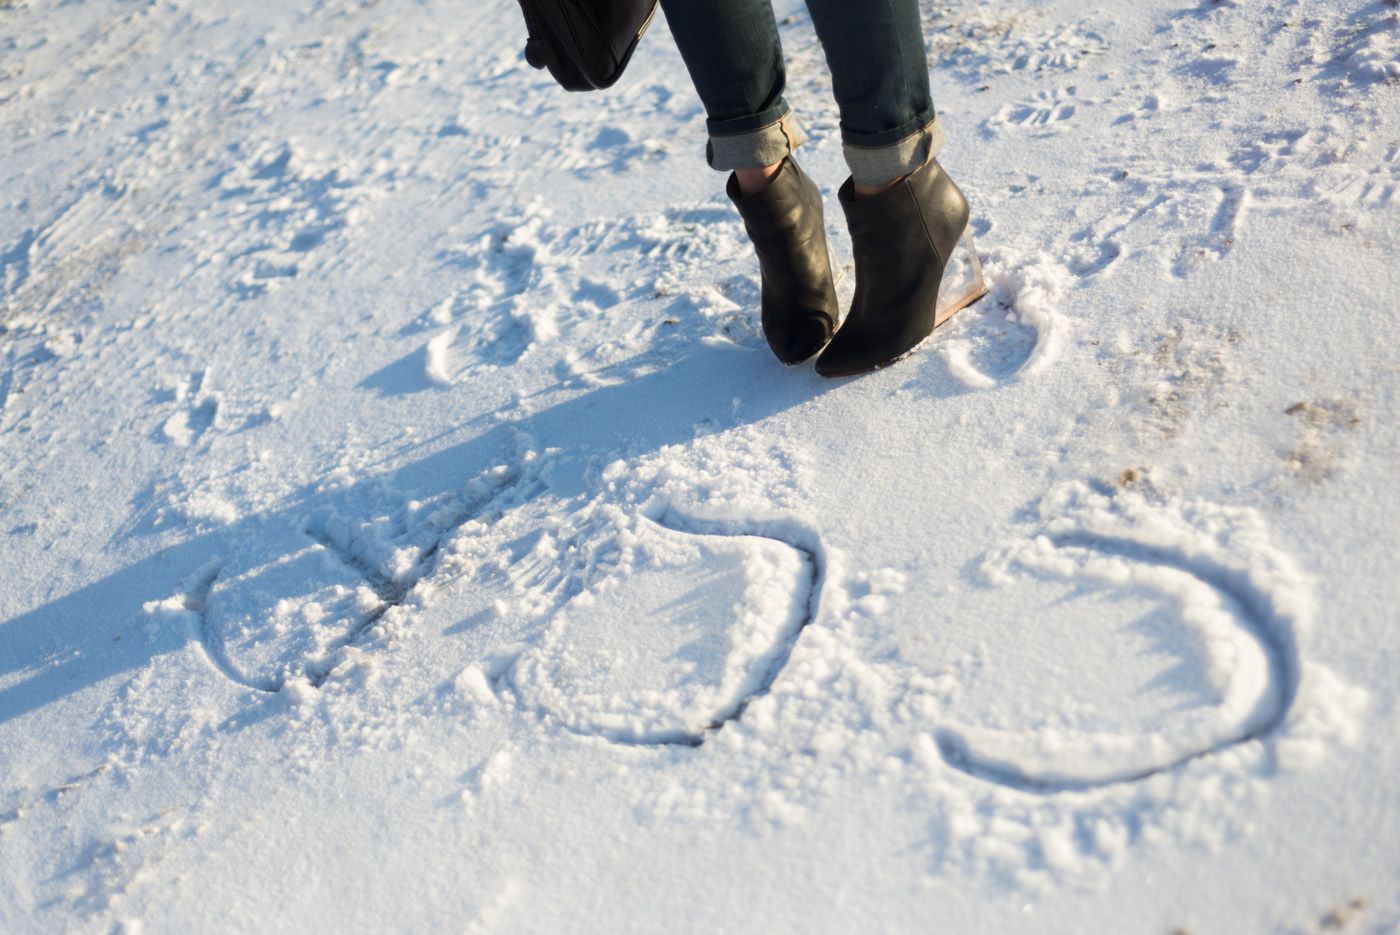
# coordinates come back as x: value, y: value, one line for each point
x: 1014, y: 333
x: 1184, y: 218
x: 198, y: 411
x: 528, y: 282
x: 283, y: 206
x: 976, y: 44
x: 30, y: 799
x: 1046, y: 111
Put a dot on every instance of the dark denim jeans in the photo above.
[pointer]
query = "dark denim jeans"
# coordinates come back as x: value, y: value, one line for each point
x: 879, y: 75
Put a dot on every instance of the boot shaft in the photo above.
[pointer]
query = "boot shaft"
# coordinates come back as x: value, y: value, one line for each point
x: 926, y: 201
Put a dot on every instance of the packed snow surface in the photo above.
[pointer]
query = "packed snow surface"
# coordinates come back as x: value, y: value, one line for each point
x: 403, y: 524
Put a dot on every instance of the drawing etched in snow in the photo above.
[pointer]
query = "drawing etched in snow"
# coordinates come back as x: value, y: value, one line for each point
x: 1215, y: 574
x: 671, y: 627
x: 292, y: 600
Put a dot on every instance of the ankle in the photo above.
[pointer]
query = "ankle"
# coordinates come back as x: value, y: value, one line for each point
x: 753, y: 181
x: 870, y: 191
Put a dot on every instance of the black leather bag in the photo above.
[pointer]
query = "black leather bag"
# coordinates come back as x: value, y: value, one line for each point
x: 585, y: 44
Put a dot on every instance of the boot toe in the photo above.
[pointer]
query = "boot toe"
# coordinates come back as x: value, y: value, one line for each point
x: 802, y: 339
x: 865, y: 352
x: 799, y: 310
x: 841, y: 362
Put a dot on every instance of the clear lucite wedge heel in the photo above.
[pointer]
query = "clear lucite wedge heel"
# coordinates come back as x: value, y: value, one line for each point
x: 962, y: 280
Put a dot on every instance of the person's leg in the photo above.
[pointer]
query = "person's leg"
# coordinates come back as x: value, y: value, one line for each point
x: 732, y: 52
x: 904, y: 213
x: 735, y: 60
x: 879, y: 75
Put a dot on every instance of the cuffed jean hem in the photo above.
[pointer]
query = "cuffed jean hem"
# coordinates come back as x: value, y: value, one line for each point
x: 880, y: 165
x: 754, y: 149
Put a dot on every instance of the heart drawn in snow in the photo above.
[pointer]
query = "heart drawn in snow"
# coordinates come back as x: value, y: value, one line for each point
x: 672, y: 637
x: 1178, y: 624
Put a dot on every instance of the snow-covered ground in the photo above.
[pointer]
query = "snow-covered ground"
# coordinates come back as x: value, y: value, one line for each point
x: 403, y: 525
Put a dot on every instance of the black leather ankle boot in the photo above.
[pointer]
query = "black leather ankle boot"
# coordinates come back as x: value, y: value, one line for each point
x: 784, y: 222
x: 901, y: 239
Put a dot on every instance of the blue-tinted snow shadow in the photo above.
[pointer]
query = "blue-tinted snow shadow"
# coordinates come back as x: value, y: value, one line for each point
x: 408, y: 374
x: 99, y: 632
